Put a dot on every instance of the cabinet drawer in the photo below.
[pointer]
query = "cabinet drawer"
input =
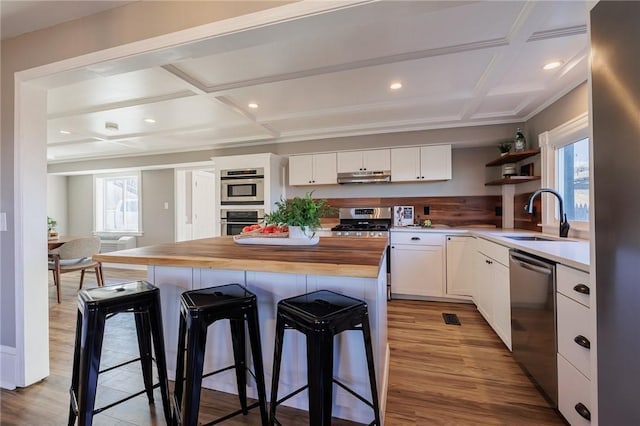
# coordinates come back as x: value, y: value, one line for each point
x: 573, y: 389
x: 495, y: 251
x: 418, y: 238
x: 573, y: 284
x: 574, y: 322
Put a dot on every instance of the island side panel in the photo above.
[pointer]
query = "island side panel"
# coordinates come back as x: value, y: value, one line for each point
x: 270, y: 288
x: 219, y: 352
x: 172, y: 282
x: 350, y: 364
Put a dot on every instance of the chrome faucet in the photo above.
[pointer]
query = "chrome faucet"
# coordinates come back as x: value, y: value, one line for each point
x: 564, y: 224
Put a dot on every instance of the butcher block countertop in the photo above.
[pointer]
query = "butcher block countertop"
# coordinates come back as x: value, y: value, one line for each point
x: 335, y: 256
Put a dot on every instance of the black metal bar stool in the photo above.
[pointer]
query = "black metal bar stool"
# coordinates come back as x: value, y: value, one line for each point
x: 321, y: 315
x: 95, y: 306
x: 199, y: 309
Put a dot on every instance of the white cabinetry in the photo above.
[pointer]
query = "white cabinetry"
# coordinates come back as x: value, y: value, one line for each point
x: 421, y: 163
x: 417, y: 264
x: 459, y: 265
x: 313, y: 169
x: 575, y: 336
x: 491, y: 292
x: 356, y: 161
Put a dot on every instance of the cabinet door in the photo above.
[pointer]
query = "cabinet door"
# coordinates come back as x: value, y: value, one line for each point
x: 501, y: 302
x: 459, y: 265
x: 405, y: 164
x: 350, y: 161
x: 324, y: 169
x: 376, y: 160
x: 435, y: 162
x: 573, y: 389
x: 483, y: 288
x: 301, y: 170
x: 416, y: 270
x: 574, y: 320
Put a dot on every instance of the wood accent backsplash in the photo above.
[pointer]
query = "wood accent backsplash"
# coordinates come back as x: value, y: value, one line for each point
x: 524, y: 220
x: 452, y: 211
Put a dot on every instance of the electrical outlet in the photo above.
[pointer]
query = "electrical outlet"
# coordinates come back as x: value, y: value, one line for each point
x: 3, y: 221
x: 166, y: 205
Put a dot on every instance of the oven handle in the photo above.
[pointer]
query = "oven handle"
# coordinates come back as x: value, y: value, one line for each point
x: 241, y: 222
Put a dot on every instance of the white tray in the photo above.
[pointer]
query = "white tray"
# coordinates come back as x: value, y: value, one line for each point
x: 279, y: 241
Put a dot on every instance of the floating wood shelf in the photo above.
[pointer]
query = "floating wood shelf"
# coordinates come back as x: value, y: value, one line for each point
x: 513, y: 157
x: 512, y: 181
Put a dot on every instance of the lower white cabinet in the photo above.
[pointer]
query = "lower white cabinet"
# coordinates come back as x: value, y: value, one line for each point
x: 491, y: 292
x: 576, y: 341
x: 417, y: 264
x: 459, y: 265
x: 574, y: 394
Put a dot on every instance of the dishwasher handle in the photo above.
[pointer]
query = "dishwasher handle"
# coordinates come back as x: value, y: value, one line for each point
x: 531, y: 263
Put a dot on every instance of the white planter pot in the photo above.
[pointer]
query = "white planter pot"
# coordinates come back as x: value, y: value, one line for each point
x: 300, y: 232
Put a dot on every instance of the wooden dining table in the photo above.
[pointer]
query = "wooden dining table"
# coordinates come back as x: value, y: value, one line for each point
x: 56, y: 242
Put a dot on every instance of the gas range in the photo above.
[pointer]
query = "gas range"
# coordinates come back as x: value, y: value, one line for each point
x: 363, y: 222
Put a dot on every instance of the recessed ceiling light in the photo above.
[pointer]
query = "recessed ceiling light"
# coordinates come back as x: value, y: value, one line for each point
x: 253, y: 105
x: 149, y: 120
x: 395, y: 86
x: 111, y: 126
x: 551, y: 65
x: 65, y: 132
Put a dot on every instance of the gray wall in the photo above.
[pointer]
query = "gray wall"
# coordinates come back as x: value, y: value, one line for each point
x: 157, y: 223
x: 468, y: 177
x: 93, y: 33
x: 460, y: 137
x: 57, y: 202
x: 569, y: 106
x: 80, y: 198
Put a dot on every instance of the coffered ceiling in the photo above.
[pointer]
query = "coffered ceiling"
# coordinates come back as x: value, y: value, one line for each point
x: 328, y: 75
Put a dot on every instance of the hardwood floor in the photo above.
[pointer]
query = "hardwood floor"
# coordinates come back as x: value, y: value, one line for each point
x: 439, y: 374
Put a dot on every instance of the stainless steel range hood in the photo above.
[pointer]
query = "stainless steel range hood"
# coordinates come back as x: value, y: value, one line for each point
x: 365, y: 177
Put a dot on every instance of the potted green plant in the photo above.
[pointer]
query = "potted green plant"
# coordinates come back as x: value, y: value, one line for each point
x: 301, y: 214
x: 51, y: 227
x: 504, y: 147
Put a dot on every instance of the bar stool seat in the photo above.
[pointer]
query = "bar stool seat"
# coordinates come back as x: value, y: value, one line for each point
x: 95, y: 306
x: 198, y: 310
x: 320, y: 316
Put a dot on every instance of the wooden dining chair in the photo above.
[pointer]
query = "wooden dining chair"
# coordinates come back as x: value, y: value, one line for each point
x: 75, y: 255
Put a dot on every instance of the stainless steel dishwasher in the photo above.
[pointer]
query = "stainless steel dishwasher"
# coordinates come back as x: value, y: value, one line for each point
x: 533, y: 319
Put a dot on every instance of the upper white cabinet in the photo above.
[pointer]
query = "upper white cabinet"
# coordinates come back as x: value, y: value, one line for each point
x: 313, y: 169
x: 356, y: 161
x: 421, y: 163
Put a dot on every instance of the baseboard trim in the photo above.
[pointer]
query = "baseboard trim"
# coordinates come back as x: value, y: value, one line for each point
x: 7, y: 367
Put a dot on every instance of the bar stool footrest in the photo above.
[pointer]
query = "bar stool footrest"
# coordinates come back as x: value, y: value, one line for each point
x: 176, y: 410
x: 292, y: 394
x: 74, y: 402
x: 352, y: 392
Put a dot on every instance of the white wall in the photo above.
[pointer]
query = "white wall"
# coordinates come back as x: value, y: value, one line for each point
x: 57, y: 202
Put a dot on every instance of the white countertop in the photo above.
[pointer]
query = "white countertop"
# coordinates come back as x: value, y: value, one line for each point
x: 571, y: 252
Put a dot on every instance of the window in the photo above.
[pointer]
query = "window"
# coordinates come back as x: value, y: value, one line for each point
x: 572, y: 177
x: 565, y: 168
x: 117, y: 203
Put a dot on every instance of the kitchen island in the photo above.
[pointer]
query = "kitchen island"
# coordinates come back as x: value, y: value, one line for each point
x: 355, y: 267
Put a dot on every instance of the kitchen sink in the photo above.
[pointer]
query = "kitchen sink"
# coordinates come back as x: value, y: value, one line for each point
x: 533, y: 238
